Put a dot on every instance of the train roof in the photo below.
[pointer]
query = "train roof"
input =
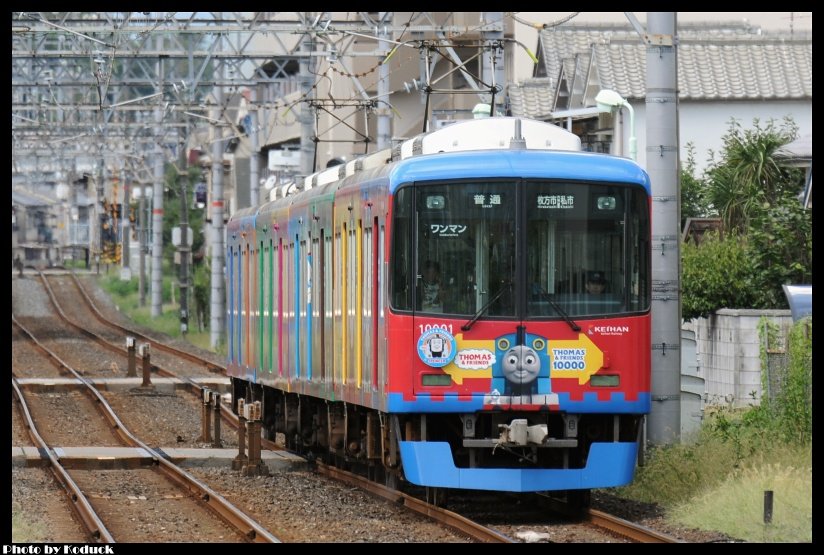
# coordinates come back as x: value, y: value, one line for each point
x: 475, y: 139
x: 477, y: 134
x: 526, y: 164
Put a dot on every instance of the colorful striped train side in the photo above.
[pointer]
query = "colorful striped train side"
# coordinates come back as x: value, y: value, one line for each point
x: 498, y: 368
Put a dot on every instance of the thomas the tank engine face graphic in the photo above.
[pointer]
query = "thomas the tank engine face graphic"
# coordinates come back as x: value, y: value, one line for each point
x: 521, y: 373
x: 521, y: 366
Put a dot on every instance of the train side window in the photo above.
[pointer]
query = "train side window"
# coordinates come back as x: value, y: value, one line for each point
x: 401, y: 291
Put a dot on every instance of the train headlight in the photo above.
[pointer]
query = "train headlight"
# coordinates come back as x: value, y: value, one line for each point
x: 435, y: 202
x: 606, y: 203
x: 605, y: 380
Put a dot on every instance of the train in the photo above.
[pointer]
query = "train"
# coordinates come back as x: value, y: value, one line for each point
x: 423, y: 313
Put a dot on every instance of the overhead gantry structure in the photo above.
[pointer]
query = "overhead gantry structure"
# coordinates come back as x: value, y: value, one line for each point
x: 110, y: 95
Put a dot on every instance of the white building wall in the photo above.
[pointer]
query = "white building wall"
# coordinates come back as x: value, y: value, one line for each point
x: 705, y: 123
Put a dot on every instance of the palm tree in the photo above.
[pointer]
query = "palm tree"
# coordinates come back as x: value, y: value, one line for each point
x: 748, y: 177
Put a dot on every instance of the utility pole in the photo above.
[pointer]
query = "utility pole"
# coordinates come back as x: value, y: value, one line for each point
x: 157, y: 198
x: 157, y: 223
x: 254, y: 157
x: 217, y: 317
x: 493, y: 70
x: 384, y: 112
x: 308, y: 146
x: 141, y: 238
x: 125, y: 273
x: 664, y: 425
x: 101, y: 190
x: 184, y: 250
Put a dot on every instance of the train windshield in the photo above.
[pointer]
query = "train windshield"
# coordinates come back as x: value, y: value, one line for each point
x: 458, y: 249
x: 585, y: 249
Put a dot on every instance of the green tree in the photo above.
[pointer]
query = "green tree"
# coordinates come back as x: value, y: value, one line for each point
x: 748, y: 174
x: 171, y: 219
x: 694, y: 202
x: 767, y: 241
x: 781, y: 248
x: 202, y: 286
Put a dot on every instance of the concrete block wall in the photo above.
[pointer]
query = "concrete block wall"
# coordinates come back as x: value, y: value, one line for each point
x: 728, y: 351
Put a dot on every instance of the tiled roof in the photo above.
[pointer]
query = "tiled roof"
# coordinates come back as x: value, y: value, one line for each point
x: 532, y: 99
x: 715, y: 62
x: 717, y: 70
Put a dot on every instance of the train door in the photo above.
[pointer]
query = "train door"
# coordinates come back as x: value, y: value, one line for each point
x: 247, y: 304
x: 230, y: 313
x: 327, y: 367
x: 260, y: 309
x: 270, y: 307
x: 464, y: 252
x: 280, y: 307
x: 238, y: 305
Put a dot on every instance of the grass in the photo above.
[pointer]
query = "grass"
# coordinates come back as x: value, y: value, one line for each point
x: 717, y: 482
x: 671, y: 474
x: 74, y: 264
x: 125, y: 296
x: 736, y: 506
x: 26, y: 528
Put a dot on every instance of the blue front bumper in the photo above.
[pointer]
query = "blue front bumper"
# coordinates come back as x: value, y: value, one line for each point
x: 428, y: 463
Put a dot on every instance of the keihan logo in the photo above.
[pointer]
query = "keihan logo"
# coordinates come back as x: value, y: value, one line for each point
x: 609, y: 330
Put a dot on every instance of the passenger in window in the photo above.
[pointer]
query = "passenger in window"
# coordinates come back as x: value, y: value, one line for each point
x: 431, y: 287
x: 596, y: 284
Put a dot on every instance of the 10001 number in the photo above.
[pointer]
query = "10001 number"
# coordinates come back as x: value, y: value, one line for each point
x: 444, y: 327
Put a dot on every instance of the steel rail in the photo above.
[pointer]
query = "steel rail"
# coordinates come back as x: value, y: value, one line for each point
x: 247, y: 526
x: 227, y: 415
x: 448, y: 518
x: 600, y: 519
x: 95, y: 529
x: 155, y: 343
x: 627, y: 529
x: 612, y: 523
x: 88, y: 333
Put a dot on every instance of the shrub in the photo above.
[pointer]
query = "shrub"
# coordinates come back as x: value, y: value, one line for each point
x: 716, y: 274
x: 788, y: 415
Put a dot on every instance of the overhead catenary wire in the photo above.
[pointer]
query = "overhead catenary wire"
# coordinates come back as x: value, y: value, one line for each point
x: 541, y: 26
x: 121, y: 39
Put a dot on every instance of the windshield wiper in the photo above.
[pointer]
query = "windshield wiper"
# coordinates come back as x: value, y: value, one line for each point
x: 546, y: 296
x: 495, y: 297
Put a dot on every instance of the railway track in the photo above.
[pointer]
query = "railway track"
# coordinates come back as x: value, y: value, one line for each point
x: 472, y: 529
x: 201, y: 362
x: 238, y: 484
x: 107, y: 343
x: 80, y: 505
x: 483, y: 533
x: 120, y: 349
x: 194, y: 491
x: 624, y: 528
x: 613, y: 524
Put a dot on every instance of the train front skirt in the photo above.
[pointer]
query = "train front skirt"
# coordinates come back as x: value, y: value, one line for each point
x: 430, y: 463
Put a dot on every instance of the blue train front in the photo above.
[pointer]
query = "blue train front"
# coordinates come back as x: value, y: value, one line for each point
x: 456, y: 313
